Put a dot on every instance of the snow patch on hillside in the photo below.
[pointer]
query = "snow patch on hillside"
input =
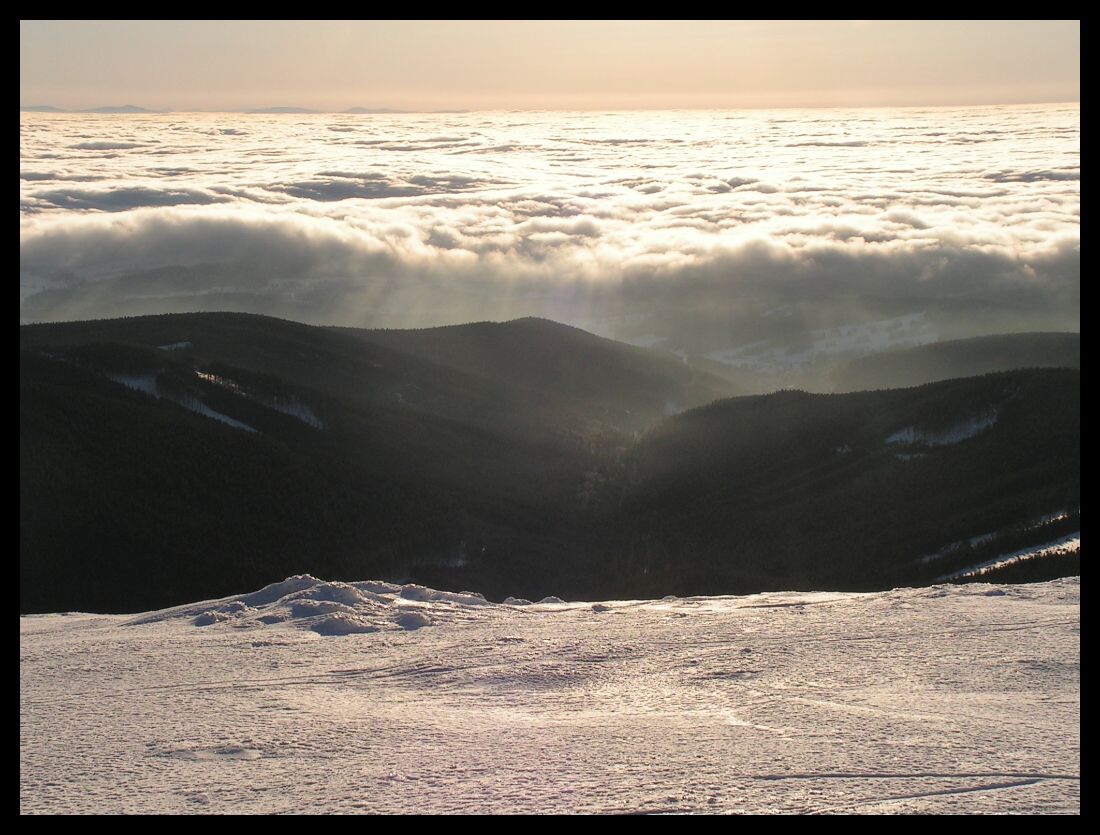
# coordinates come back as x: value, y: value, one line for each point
x: 953, y: 548
x: 953, y: 434
x: 1063, y: 545
x: 295, y: 409
x: 147, y: 384
x: 195, y: 405
x: 286, y: 405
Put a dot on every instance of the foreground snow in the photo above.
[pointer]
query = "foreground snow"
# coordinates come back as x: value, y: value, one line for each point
x: 327, y: 697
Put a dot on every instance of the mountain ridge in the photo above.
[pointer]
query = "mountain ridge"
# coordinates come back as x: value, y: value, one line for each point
x: 524, y: 458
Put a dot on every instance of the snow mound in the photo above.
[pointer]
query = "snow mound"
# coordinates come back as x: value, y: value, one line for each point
x: 340, y: 594
x: 234, y: 610
x: 207, y: 618
x: 307, y: 603
x: 308, y: 608
x: 427, y: 595
x: 377, y: 587
x: 343, y: 623
x: 412, y: 620
x: 275, y: 591
x: 517, y: 601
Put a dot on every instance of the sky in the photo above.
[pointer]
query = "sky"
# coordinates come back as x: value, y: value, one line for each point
x: 593, y: 65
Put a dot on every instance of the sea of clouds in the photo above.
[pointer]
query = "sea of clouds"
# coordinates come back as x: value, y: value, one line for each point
x: 677, y: 225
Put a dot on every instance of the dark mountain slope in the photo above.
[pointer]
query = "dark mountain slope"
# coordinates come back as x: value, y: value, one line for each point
x: 958, y: 358
x: 129, y: 501
x: 497, y: 472
x: 484, y: 458
x: 530, y: 369
x: 627, y: 386
x: 794, y: 490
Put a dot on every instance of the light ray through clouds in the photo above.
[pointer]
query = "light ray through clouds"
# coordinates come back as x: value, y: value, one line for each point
x: 627, y: 223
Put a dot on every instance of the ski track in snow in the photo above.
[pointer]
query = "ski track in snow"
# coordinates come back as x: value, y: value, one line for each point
x: 936, y: 700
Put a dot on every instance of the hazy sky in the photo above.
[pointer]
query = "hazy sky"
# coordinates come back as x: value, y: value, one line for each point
x: 332, y: 65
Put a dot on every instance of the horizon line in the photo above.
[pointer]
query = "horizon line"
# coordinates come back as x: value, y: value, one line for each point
x: 294, y: 110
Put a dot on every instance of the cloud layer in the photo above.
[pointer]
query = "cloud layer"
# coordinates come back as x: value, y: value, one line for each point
x: 628, y: 223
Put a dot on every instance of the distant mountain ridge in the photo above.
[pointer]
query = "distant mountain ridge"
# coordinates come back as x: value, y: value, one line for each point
x: 958, y: 358
x: 123, y: 108
x: 130, y: 108
x: 281, y: 110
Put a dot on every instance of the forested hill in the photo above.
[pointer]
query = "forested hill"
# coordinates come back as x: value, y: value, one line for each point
x: 174, y: 458
x: 564, y: 363
x: 805, y: 491
x: 528, y: 366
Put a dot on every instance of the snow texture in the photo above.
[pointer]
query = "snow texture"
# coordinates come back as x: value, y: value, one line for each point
x: 310, y: 696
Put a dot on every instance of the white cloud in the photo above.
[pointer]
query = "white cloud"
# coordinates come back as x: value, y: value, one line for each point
x: 426, y: 219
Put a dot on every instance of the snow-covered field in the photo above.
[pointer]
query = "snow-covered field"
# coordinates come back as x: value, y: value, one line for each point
x: 942, y: 699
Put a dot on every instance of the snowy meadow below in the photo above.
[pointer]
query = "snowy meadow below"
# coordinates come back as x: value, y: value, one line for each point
x: 315, y: 697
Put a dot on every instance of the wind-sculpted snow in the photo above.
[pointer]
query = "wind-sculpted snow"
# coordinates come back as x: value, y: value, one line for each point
x: 337, y: 608
x: 327, y: 697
